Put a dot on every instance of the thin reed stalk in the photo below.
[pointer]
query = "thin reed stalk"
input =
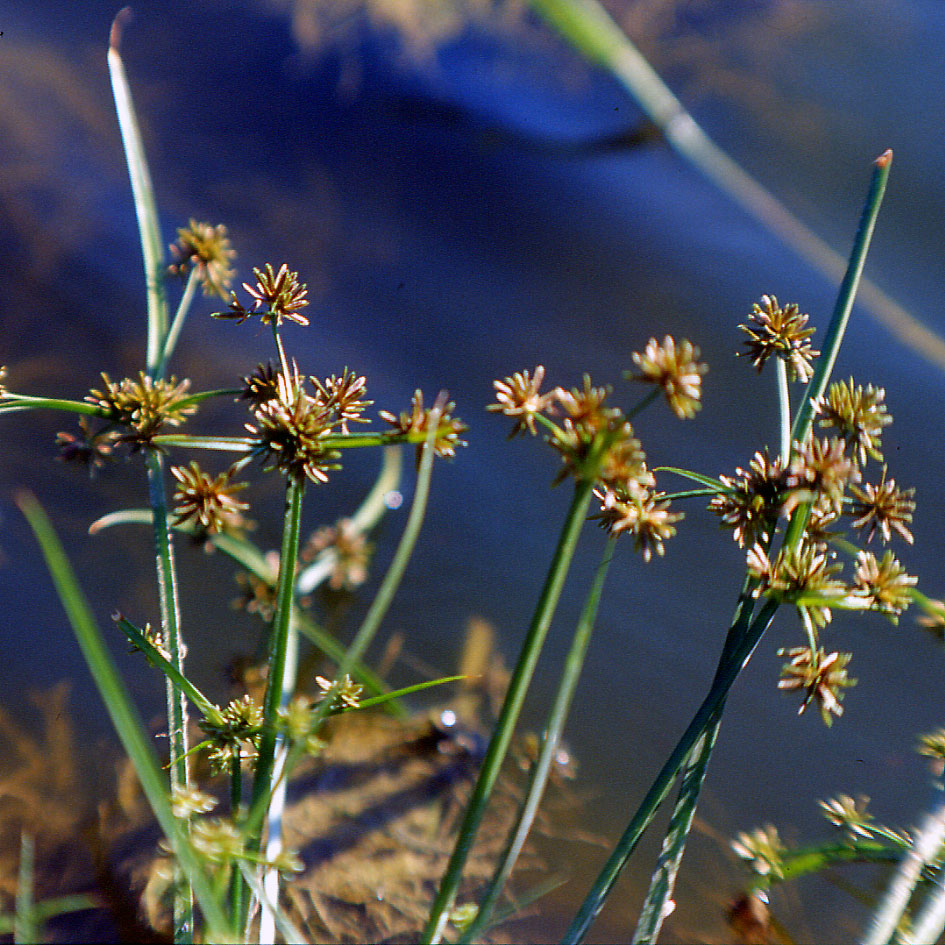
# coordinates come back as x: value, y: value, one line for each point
x: 511, y: 708
x: 538, y: 777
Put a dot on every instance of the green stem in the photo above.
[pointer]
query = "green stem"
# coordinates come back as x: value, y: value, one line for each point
x: 574, y: 663
x: 844, y: 304
x: 515, y: 697
x: 700, y: 724
x: 170, y: 343
x: 784, y: 410
x: 176, y: 701
x: 152, y: 248
x: 280, y: 633
x: 123, y: 714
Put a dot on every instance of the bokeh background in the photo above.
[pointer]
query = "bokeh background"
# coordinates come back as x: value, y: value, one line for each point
x: 462, y: 195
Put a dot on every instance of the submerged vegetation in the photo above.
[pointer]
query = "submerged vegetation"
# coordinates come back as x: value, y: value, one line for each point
x: 805, y: 513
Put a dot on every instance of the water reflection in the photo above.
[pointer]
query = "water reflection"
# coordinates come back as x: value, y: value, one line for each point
x: 455, y: 222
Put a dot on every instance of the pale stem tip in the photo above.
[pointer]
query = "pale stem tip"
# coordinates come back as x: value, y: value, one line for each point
x: 118, y: 24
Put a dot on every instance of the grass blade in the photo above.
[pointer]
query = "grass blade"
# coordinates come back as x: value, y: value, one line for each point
x: 152, y: 248
x: 123, y: 714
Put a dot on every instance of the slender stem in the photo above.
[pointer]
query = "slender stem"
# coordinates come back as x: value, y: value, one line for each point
x: 283, y: 644
x: 574, y: 663
x: 279, y: 639
x: 674, y: 844
x: 844, y: 304
x: 134, y: 738
x: 784, y: 410
x: 176, y: 701
x: 923, y: 849
x: 700, y: 724
x: 183, y: 308
x: 152, y: 248
x: 515, y: 697
x: 170, y: 618
x: 24, y: 923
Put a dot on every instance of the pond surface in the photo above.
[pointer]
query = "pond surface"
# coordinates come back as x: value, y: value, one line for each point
x: 461, y: 213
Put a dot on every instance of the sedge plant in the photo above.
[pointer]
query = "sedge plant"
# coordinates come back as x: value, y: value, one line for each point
x: 299, y: 426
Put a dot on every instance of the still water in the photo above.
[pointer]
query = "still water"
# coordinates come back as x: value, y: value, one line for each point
x: 461, y: 209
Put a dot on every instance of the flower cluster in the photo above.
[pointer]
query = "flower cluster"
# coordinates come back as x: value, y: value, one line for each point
x: 142, y: 406
x: 276, y: 296
x: 820, y: 677
x: 349, y: 551
x: 290, y: 428
x: 208, y: 504
x: 415, y: 423
x: 596, y: 442
x: 234, y: 736
x: 780, y: 332
x: 205, y: 249
x: 676, y: 369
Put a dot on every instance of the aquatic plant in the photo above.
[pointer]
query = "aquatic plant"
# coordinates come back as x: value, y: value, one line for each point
x: 784, y: 511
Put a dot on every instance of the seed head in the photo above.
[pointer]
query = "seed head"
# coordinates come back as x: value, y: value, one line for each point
x: 638, y: 512
x: 206, y: 503
x: 820, y: 677
x: 277, y: 295
x: 518, y: 396
x: 676, y: 368
x: 884, y: 584
x: 773, y: 330
x: 207, y: 249
x: 417, y: 421
x: 352, y: 552
x: 753, y: 503
x: 290, y: 430
x: 884, y: 508
x: 143, y: 406
x: 763, y: 850
x: 803, y: 575
x: 88, y: 447
x: 340, y: 397
x: 821, y: 468
x: 858, y: 416
x: 849, y: 815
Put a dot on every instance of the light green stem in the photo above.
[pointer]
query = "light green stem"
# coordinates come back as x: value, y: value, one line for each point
x: 180, y: 317
x: 176, y: 701
x: 574, y: 663
x: 514, y: 699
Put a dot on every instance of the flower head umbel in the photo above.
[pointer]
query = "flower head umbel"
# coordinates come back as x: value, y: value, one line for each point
x: 883, y: 584
x: 261, y: 386
x: 207, y: 503
x: 781, y: 332
x: 821, y: 469
x: 883, y: 508
x: 763, y: 850
x: 517, y: 396
x: 638, y: 512
x: 206, y: 249
x: 417, y: 421
x: 277, y: 296
x: 234, y: 737
x: 856, y: 414
x: 290, y: 431
x: 803, y: 576
x: 822, y: 678
x: 89, y: 447
x: 754, y: 499
x: 342, y: 396
x: 351, y: 553
x: 849, y: 815
x: 674, y: 366
x: 143, y: 406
